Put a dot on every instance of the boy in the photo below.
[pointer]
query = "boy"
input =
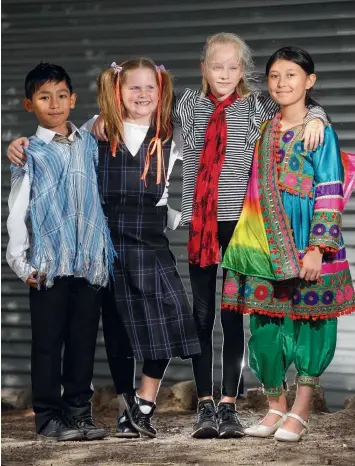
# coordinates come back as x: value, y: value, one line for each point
x: 68, y: 260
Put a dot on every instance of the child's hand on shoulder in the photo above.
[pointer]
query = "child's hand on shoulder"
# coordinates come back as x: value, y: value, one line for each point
x: 98, y: 129
x: 311, y: 265
x: 313, y: 135
x: 15, y: 152
x: 32, y: 279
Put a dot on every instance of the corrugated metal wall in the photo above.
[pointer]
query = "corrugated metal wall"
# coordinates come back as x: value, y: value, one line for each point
x: 84, y: 36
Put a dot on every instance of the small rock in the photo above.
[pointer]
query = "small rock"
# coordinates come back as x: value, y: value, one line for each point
x: 166, y: 400
x: 114, y: 404
x: 318, y: 403
x: 106, y: 395
x: 349, y: 403
x: 185, y: 393
x: 24, y: 399
x: 6, y: 405
x: 95, y: 400
x: 256, y: 399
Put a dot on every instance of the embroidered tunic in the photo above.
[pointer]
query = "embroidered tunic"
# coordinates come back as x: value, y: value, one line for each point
x: 300, y: 205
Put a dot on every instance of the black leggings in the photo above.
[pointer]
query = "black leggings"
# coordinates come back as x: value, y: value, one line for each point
x: 118, y: 349
x: 203, y: 283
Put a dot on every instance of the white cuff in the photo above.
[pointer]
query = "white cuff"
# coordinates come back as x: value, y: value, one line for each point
x: 174, y: 218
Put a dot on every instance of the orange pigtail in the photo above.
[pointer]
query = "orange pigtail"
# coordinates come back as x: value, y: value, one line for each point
x: 155, y: 144
x: 117, y: 90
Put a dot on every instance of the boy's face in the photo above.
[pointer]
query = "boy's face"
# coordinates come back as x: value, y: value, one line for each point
x: 51, y: 104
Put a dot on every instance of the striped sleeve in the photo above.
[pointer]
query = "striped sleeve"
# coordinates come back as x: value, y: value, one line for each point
x: 316, y: 111
x: 183, y: 107
x: 266, y: 107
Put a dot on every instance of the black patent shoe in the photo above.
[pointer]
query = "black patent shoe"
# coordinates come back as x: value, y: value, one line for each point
x: 59, y: 430
x: 124, y: 427
x: 228, y: 422
x: 140, y: 413
x: 87, y: 426
x: 206, y: 421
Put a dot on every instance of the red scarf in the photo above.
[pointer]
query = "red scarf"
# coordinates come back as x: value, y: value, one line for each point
x: 203, y: 245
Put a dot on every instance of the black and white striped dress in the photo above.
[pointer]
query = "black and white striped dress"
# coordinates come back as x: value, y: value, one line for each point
x: 192, y: 111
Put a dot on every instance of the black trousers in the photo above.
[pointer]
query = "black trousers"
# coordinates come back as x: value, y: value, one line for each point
x: 118, y: 349
x: 203, y: 283
x: 66, y: 314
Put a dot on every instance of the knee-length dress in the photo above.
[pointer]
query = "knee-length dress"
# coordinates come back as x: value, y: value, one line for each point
x: 150, y: 296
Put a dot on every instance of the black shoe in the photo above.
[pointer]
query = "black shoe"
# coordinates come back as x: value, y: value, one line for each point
x: 124, y: 427
x: 59, y: 430
x: 228, y: 422
x: 140, y: 413
x: 87, y: 426
x: 206, y: 421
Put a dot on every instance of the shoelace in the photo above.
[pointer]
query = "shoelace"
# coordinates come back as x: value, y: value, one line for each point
x: 227, y: 413
x: 145, y: 419
x: 206, y: 412
x: 89, y: 420
x: 62, y: 422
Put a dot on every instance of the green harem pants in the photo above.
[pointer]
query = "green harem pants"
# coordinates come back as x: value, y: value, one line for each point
x: 276, y: 343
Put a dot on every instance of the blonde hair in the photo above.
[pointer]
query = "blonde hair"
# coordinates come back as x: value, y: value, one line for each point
x: 109, y: 85
x: 247, y: 83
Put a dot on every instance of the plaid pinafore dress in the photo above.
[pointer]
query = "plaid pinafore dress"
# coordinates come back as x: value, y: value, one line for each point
x: 149, y: 294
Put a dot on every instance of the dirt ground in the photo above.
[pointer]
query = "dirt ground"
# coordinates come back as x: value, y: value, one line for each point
x: 331, y: 441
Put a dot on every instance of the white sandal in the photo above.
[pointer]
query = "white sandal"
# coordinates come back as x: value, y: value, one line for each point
x: 265, y: 431
x: 286, y: 436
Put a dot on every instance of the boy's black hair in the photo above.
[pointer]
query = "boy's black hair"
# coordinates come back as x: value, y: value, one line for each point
x: 43, y: 73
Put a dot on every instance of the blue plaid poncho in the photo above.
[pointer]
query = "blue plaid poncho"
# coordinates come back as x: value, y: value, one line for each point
x: 70, y: 235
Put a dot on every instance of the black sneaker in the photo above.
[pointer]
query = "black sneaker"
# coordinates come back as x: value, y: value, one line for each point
x: 206, y: 421
x: 87, y: 426
x: 140, y: 413
x: 124, y: 427
x: 59, y: 430
x: 228, y: 422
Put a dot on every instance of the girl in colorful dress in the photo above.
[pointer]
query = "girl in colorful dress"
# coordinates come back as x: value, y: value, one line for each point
x: 220, y: 126
x: 286, y: 260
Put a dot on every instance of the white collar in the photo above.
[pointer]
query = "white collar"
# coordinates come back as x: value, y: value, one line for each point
x: 47, y: 134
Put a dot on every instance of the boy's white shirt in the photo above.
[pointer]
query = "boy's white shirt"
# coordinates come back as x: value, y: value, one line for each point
x: 19, y: 201
x: 19, y: 198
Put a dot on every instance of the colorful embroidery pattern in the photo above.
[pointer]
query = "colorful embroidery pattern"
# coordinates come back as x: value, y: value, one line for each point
x: 272, y: 391
x: 325, y: 229
x: 307, y: 380
x: 283, y: 252
x: 332, y: 296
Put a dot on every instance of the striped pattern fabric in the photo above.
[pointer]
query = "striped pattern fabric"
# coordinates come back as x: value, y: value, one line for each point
x: 149, y: 294
x: 70, y: 233
x: 192, y: 111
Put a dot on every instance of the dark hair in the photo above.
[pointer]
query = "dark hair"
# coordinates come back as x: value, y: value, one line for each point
x: 299, y: 56
x: 43, y: 73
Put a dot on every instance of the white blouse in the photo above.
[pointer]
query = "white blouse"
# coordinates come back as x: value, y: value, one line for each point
x: 134, y: 137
